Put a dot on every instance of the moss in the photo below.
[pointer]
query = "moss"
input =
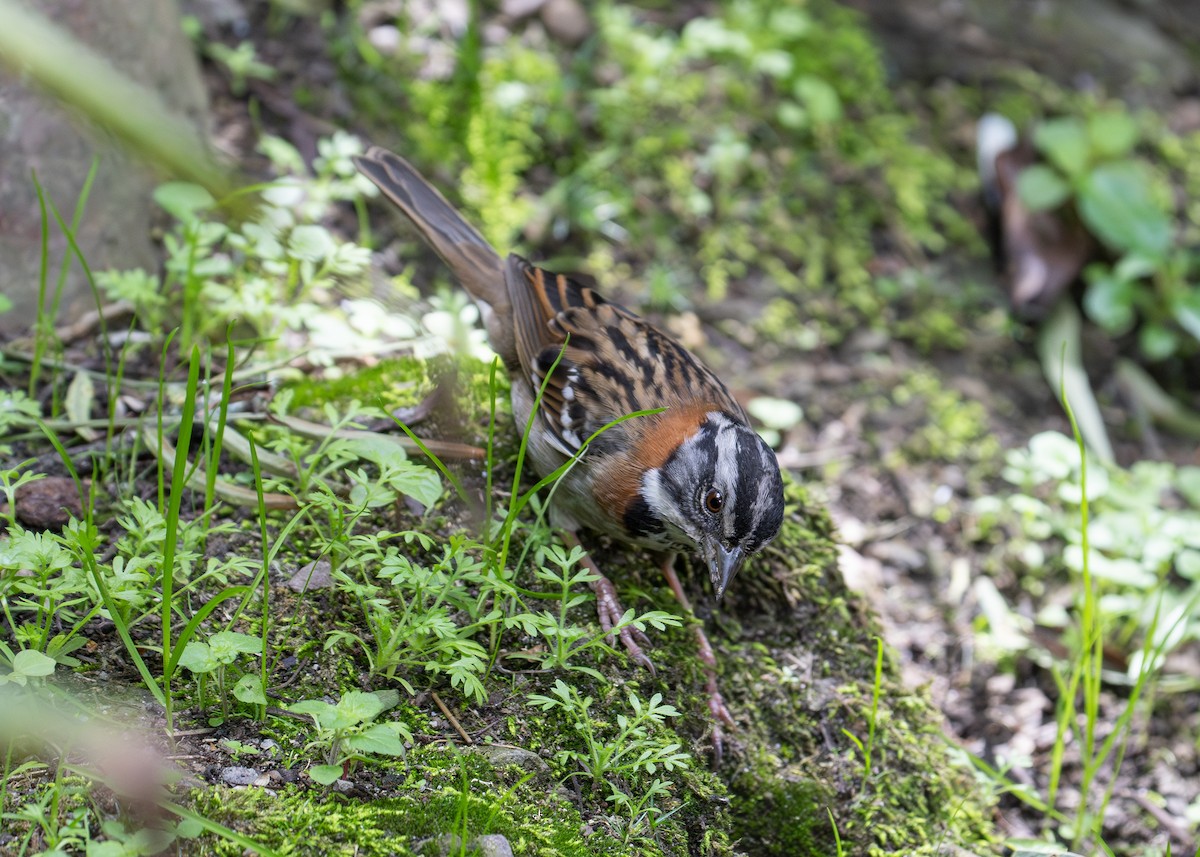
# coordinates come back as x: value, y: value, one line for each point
x: 796, y: 654
x: 390, y: 384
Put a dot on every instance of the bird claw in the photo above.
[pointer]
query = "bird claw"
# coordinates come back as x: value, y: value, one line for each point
x: 716, y: 706
x: 720, y: 715
x: 608, y: 607
x: 718, y: 744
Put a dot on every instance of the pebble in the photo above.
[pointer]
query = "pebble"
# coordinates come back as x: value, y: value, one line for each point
x: 47, y: 504
x: 385, y: 38
x: 314, y: 575
x: 492, y: 845
x: 238, y: 776
x: 503, y: 756
x: 567, y: 21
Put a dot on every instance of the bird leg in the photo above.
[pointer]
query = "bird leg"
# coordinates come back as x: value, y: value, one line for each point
x: 610, y: 611
x: 716, y: 703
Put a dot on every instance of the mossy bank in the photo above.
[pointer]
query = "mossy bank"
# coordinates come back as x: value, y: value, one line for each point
x: 797, y: 654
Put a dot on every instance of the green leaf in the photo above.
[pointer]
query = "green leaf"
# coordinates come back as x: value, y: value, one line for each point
x: 1109, y: 302
x: 33, y: 664
x: 189, y: 828
x: 388, y: 698
x: 1187, y: 312
x: 318, y: 708
x: 311, y: 243
x: 775, y: 413
x: 1041, y: 188
x: 360, y: 707
x: 1135, y: 266
x: 227, y: 645
x: 1187, y: 564
x: 417, y: 481
x: 1115, y: 203
x: 382, y: 449
x: 382, y: 738
x: 182, y: 200
x: 1065, y: 143
x: 198, y: 658
x: 822, y: 101
x: 1187, y: 482
x: 1157, y: 342
x: 1112, y: 133
x: 325, y: 774
x: 249, y: 689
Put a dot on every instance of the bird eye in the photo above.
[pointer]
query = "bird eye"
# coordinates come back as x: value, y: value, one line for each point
x: 713, y: 501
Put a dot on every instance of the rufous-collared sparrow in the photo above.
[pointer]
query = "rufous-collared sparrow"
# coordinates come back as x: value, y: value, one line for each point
x: 693, y: 477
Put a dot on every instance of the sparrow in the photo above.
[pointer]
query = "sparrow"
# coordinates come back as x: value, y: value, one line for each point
x: 693, y: 477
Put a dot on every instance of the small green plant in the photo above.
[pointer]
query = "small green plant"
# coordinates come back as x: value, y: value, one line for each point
x: 12, y: 478
x: 238, y: 749
x: 1131, y: 550
x: 566, y: 641
x: 410, y: 609
x: 346, y: 733
x: 867, y: 749
x: 241, y: 63
x: 262, y: 272
x: 215, y: 657
x: 1091, y: 166
x: 40, y: 591
x: 57, y: 816
x: 24, y: 665
x: 619, y: 763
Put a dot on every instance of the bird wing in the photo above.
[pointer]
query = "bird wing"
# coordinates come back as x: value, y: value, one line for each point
x: 597, y: 360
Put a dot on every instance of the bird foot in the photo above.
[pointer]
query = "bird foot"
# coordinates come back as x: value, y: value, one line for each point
x: 720, y: 715
x: 610, y: 611
x: 716, y: 703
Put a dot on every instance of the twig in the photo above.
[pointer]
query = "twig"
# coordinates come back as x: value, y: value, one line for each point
x: 453, y: 720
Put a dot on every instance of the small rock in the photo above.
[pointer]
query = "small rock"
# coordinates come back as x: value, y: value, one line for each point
x: 315, y: 575
x: 501, y: 756
x: 567, y: 21
x: 492, y: 845
x: 897, y: 554
x: 267, y: 744
x: 439, y: 846
x: 47, y: 504
x: 237, y: 776
x: 343, y: 787
x: 263, y: 780
x: 520, y: 8
x: 385, y: 38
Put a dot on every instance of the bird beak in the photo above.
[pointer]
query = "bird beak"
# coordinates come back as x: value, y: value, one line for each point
x: 723, y: 564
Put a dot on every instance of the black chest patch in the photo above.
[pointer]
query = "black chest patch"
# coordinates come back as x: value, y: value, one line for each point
x: 642, y: 523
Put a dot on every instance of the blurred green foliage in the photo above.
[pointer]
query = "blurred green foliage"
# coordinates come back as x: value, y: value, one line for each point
x: 762, y: 143
x: 1091, y: 163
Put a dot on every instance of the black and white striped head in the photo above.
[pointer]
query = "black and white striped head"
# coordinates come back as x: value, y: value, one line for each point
x: 721, y: 491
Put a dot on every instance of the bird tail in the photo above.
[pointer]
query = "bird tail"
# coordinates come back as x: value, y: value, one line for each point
x: 473, y: 260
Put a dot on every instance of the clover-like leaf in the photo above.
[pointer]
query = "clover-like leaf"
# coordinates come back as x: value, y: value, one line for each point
x: 325, y: 774
x: 1115, y: 203
x: 249, y: 689
x: 1042, y: 188
x: 1065, y: 143
x: 1112, y: 133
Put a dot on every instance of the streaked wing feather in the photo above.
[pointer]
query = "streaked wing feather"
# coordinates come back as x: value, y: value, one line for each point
x: 614, y: 362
